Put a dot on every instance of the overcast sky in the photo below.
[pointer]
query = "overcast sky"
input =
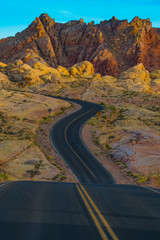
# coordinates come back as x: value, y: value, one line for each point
x: 17, y: 15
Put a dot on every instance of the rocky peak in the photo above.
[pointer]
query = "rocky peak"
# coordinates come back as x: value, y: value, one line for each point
x: 111, y: 25
x: 36, y: 28
x: 135, y: 19
x: 113, y: 19
x: 47, y: 21
x: 36, y: 24
x: 112, y: 46
x: 33, y: 31
x: 91, y: 23
x: 81, y: 20
x: 45, y: 17
x: 141, y: 23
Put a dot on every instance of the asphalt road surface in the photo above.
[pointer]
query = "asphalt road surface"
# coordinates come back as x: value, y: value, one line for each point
x: 66, y: 138
x: 95, y: 208
x: 48, y: 211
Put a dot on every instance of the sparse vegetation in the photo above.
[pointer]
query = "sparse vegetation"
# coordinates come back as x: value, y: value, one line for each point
x: 3, y: 176
x: 108, y: 147
x: 19, y: 125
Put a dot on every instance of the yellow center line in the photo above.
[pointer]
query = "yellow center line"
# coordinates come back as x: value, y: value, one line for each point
x: 106, y: 224
x: 71, y: 146
x: 101, y: 232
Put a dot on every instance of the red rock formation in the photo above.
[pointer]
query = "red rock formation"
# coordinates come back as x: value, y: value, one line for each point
x: 1, y: 40
x: 112, y: 46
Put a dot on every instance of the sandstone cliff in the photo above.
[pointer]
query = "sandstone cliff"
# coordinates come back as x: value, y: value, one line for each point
x: 112, y: 46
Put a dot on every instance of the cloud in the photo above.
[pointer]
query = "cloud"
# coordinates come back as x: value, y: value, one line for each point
x: 65, y: 12
x: 70, y: 16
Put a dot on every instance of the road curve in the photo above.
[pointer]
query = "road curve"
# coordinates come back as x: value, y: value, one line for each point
x: 68, y: 211
x: 66, y: 139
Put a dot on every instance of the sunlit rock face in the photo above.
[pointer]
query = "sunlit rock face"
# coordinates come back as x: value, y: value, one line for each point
x: 83, y: 69
x: 111, y: 46
x: 155, y: 84
x: 136, y: 78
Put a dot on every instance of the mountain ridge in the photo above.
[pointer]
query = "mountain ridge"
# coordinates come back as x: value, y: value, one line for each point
x: 111, y: 46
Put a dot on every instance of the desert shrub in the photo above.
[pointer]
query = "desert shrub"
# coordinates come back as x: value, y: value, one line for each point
x: 63, y: 109
x: 28, y: 137
x: 111, y: 137
x: 3, y: 176
x: 130, y: 174
x: 44, y: 118
x: 142, y: 180
x: 107, y: 146
x: 63, y: 178
x: 2, y: 118
x: 104, y: 116
x: 56, y: 177
x: 47, y: 119
x: 111, y: 107
x: 16, y: 118
x: 102, y: 104
x: 38, y: 164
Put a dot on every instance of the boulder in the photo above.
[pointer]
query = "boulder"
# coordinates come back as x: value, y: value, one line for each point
x: 109, y: 79
x: 83, y: 69
x: 16, y: 70
x: 135, y: 78
x: 48, y: 78
x: 62, y: 70
x: 5, y: 82
x: 155, y: 74
x: 44, y: 69
x: 31, y: 76
x: 97, y: 77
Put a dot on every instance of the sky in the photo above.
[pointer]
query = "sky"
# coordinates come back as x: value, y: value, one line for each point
x: 17, y: 15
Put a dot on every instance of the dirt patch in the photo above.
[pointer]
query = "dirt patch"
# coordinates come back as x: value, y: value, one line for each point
x: 105, y: 160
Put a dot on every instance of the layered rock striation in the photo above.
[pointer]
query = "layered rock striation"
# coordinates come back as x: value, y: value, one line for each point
x: 111, y: 46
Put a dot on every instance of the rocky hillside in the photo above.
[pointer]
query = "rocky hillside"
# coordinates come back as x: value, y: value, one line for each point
x: 126, y: 133
x: 112, y: 46
x: 19, y: 75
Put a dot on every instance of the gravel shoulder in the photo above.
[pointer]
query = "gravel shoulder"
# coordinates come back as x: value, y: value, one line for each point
x: 50, y: 152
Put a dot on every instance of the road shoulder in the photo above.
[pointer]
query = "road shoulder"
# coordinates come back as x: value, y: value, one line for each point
x: 102, y: 158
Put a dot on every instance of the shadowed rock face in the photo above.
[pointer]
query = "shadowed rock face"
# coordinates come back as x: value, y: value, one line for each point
x: 112, y: 46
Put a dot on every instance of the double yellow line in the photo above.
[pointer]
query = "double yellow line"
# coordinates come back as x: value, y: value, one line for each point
x: 85, y: 196
x: 65, y: 136
x: 89, y: 202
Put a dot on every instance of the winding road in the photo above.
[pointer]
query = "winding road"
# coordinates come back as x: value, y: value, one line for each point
x: 91, y: 209
x: 66, y: 138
